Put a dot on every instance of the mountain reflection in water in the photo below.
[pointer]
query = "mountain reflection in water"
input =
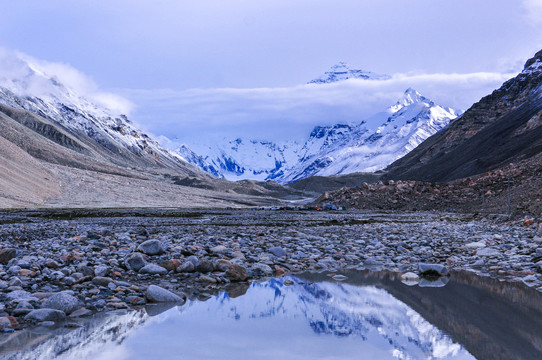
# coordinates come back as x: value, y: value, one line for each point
x: 368, y: 316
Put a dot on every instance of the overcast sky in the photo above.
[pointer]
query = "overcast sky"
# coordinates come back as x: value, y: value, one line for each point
x: 238, y: 66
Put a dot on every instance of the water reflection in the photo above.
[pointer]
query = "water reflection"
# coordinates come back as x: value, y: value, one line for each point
x: 368, y: 316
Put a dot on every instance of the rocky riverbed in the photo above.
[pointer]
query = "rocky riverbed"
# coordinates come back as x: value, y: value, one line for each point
x: 62, y: 264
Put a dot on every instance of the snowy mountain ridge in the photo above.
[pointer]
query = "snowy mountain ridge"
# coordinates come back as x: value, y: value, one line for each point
x: 368, y: 146
x: 32, y: 88
x: 342, y: 71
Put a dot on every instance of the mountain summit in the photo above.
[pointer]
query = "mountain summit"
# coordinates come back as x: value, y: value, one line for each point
x: 341, y: 148
x: 342, y: 71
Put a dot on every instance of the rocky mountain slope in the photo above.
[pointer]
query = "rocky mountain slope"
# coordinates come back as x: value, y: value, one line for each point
x: 468, y: 166
x: 58, y: 148
x: 501, y: 128
x: 329, y: 150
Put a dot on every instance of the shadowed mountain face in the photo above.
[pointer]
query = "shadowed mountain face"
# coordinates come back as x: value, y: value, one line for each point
x: 501, y: 128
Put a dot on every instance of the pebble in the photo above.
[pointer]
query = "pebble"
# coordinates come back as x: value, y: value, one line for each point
x: 105, y: 273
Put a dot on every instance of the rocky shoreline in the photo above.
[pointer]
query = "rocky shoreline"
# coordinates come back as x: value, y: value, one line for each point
x: 64, y: 264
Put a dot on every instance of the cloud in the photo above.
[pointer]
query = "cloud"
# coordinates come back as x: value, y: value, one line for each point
x: 190, y: 116
x: 27, y: 76
x: 534, y: 10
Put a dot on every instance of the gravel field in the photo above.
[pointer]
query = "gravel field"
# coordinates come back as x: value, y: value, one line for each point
x: 58, y: 264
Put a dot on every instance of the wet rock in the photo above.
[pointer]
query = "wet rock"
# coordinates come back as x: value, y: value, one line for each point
x: 339, y: 277
x: 262, y: 269
x: 373, y: 264
x: 433, y: 270
x: 63, y: 302
x: 278, y: 251
x: 8, y: 322
x: 153, y: 269
x: 157, y: 294
x: 134, y: 261
x: 439, y: 282
x: 237, y: 289
x: 236, y: 273
x: 410, y: 278
x: 45, y: 315
x: 151, y: 247
x: 81, y: 312
x: 6, y: 255
x: 186, y: 267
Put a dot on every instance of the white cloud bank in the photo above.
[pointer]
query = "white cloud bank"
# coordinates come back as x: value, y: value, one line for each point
x: 27, y: 76
x: 534, y: 10
x: 285, y: 113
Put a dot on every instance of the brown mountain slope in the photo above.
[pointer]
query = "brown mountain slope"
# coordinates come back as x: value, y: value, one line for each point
x: 501, y: 128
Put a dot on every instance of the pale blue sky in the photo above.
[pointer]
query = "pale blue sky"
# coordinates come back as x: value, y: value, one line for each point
x: 136, y: 47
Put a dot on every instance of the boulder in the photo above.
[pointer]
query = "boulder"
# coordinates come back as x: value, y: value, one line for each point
x: 102, y: 281
x: 153, y: 269
x: 6, y: 255
x: 134, y: 261
x: 45, y: 315
x: 236, y: 273
x: 101, y: 270
x: 491, y: 252
x: 151, y: 247
x: 186, y: 267
x: 205, y: 267
x: 433, y: 269
x: 262, y: 269
x: 62, y: 301
x: 157, y: 294
x: 171, y: 265
x: 278, y: 251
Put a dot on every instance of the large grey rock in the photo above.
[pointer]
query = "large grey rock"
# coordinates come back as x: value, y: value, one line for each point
x: 45, y: 315
x: 186, y: 267
x: 194, y: 260
x: 433, y: 269
x: 151, y: 247
x: 20, y: 295
x: 219, y: 249
x: 278, y: 251
x: 6, y: 255
x: 102, y: 281
x: 262, y: 269
x: 153, y: 269
x: 134, y: 261
x: 63, y: 302
x: 157, y: 294
x: 488, y: 252
x: 101, y: 270
x: 205, y: 266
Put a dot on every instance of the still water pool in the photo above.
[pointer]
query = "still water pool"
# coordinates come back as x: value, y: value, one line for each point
x: 366, y: 316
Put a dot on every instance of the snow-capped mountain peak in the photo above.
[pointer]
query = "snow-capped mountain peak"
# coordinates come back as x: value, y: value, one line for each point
x: 341, y: 71
x: 368, y: 146
x: 410, y: 97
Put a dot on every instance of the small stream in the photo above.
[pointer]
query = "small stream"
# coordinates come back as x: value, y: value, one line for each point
x: 367, y: 315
